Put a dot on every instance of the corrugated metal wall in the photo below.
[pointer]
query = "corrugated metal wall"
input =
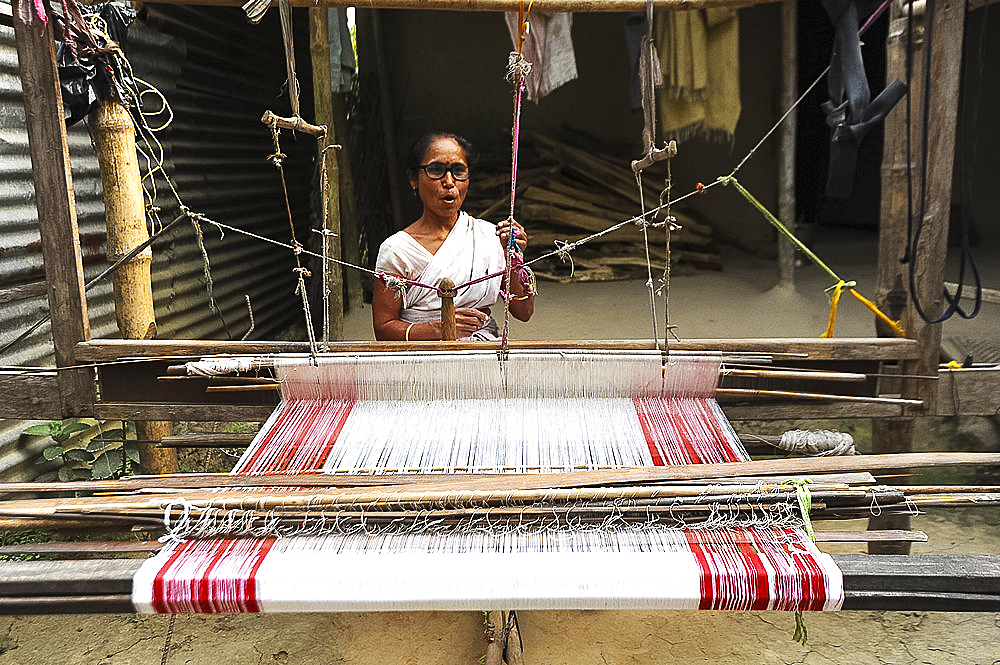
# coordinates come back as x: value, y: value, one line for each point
x: 219, y: 75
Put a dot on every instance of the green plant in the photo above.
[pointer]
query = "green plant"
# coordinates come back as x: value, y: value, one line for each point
x: 86, y: 450
x: 8, y: 641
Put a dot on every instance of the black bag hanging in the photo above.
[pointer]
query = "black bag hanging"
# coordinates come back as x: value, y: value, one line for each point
x: 850, y: 112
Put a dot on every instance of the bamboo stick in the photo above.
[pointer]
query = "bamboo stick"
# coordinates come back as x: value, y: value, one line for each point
x: 750, y: 392
x: 294, y: 123
x: 792, y: 374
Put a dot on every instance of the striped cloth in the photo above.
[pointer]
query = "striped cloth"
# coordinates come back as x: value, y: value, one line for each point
x: 344, y: 417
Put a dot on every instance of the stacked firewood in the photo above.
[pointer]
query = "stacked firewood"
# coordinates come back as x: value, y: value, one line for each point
x: 569, y: 193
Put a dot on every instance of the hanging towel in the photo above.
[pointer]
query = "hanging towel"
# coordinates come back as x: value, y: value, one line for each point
x: 342, y: 63
x: 699, y: 56
x: 549, y: 47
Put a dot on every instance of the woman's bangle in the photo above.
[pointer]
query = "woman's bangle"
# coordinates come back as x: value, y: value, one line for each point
x: 406, y: 337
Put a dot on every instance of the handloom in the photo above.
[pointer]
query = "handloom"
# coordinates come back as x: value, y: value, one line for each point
x: 464, y: 413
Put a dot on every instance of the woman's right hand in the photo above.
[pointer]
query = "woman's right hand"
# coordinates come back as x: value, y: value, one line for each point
x: 468, y: 320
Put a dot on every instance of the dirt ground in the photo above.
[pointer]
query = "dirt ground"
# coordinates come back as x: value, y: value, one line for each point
x: 736, y: 302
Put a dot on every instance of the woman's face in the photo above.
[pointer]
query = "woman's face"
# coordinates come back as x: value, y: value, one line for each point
x: 442, y: 197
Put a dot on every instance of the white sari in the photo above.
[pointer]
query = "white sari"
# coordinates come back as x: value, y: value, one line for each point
x: 471, y: 250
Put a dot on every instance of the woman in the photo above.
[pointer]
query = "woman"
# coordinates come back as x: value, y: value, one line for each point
x: 445, y: 242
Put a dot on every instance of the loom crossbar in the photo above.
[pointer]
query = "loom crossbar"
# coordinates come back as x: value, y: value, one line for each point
x: 871, y: 582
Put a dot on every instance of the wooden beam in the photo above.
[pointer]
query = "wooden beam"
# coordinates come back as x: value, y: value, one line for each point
x: 968, y: 392
x: 196, y: 412
x: 914, y: 583
x: 547, y: 6
x: 33, y: 290
x: 928, y: 257
x: 949, y: 573
x: 319, y: 49
x: 798, y: 410
x: 57, y: 224
x: 786, y: 155
x: 30, y: 396
x: 844, y: 348
x: 209, y: 440
x: 350, y: 243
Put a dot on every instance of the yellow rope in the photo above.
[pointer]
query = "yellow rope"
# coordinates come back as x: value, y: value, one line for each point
x: 841, y: 284
x: 896, y: 328
x: 834, y: 301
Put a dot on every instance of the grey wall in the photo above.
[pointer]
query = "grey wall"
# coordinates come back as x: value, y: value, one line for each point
x: 219, y: 74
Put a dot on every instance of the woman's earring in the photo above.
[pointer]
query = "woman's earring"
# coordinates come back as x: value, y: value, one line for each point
x: 414, y: 191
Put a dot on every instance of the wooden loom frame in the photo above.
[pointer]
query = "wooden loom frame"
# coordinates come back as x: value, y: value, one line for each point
x: 72, y: 392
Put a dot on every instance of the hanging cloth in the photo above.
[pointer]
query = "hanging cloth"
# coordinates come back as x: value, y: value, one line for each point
x: 342, y: 63
x: 548, y: 45
x: 850, y: 112
x: 699, y: 57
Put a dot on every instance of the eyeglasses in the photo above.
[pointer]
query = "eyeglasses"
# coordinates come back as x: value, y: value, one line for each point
x: 436, y: 170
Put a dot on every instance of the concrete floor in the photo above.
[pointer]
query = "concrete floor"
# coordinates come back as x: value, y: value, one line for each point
x: 740, y: 300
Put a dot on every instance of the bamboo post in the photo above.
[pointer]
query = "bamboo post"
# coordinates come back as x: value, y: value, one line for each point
x: 786, y: 157
x: 114, y: 140
x: 57, y: 225
x: 449, y: 331
x: 319, y: 47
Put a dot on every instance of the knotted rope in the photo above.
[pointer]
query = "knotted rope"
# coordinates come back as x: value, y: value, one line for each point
x: 841, y: 284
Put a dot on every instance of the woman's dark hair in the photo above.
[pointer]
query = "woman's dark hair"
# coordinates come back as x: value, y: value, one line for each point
x: 420, y: 146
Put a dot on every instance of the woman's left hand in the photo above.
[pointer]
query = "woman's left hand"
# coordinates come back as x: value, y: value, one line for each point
x: 520, y: 237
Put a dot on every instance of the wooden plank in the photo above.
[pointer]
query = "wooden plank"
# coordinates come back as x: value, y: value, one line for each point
x: 208, y: 440
x: 968, y: 392
x: 33, y: 290
x: 844, y: 348
x: 945, y: 573
x: 33, y: 396
x: 988, y: 295
x: 870, y: 536
x: 259, y: 413
x: 796, y: 410
x: 916, y: 601
x: 202, y: 480
x: 88, y: 604
x: 67, y: 578
x: 94, y: 547
x: 350, y: 236
x: 50, y: 166
x: 195, y: 412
